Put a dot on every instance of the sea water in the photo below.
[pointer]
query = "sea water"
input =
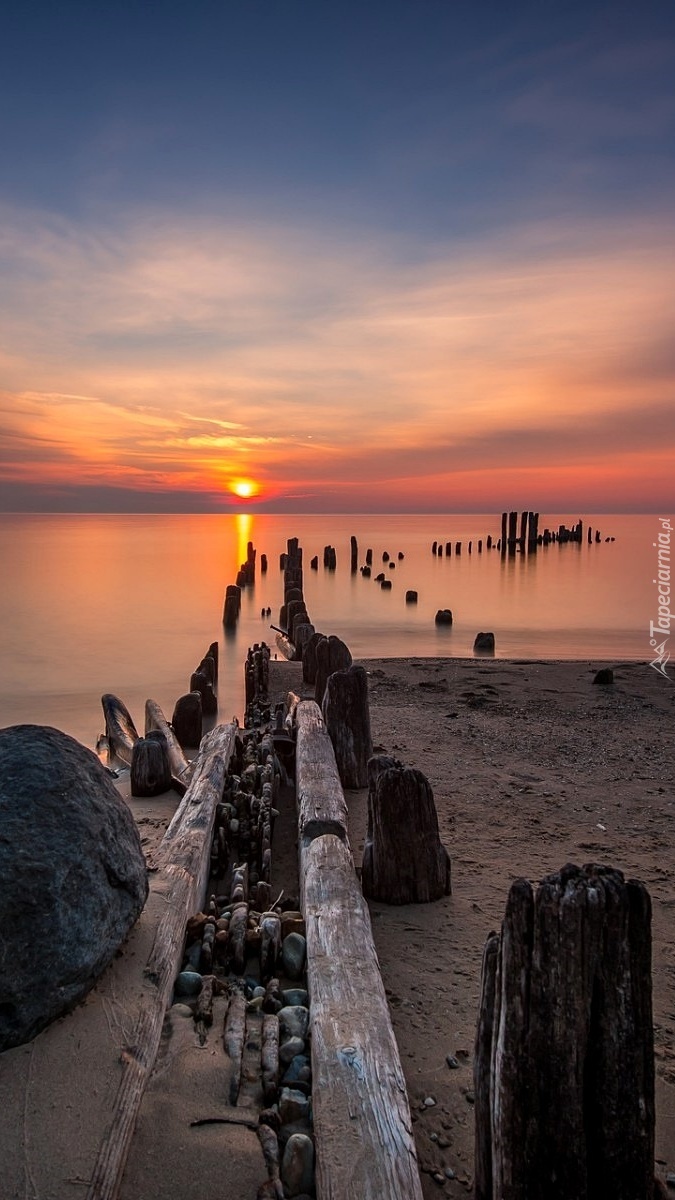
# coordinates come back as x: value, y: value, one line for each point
x: 129, y: 604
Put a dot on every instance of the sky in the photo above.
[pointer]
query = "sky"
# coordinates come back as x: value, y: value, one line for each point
x: 293, y: 256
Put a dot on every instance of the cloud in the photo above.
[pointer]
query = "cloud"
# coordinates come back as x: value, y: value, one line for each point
x: 176, y: 352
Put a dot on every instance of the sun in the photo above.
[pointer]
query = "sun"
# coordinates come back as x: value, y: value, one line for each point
x: 245, y: 488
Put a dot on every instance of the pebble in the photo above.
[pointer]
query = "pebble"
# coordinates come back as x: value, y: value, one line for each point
x: 293, y: 1105
x: 429, y: 1102
x: 293, y: 1022
x: 437, y: 1177
x: 290, y: 1050
x: 181, y: 1010
x: 452, y: 1062
x: 470, y: 1097
x: 293, y: 950
x: 297, y: 1165
x: 296, y: 1069
x: 670, y: 1179
x: 259, y: 991
x: 293, y: 996
x: 193, y: 956
x: 449, y: 1173
x: 188, y: 983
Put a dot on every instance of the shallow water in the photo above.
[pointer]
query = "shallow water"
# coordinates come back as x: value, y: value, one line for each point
x: 129, y: 604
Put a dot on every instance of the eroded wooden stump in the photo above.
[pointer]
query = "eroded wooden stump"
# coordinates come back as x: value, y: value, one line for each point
x: 187, y: 719
x: 404, y: 860
x: 331, y: 655
x: 564, y: 1061
x: 150, y: 767
x: 347, y: 717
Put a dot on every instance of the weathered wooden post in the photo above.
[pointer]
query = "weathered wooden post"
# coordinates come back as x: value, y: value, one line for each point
x: 199, y: 682
x: 187, y: 719
x: 354, y: 555
x: 150, y: 768
x: 503, y: 537
x: 523, y: 530
x: 404, y: 860
x: 331, y: 655
x: 564, y: 1057
x: 232, y: 605
x: 309, y: 657
x: 347, y: 716
x: 513, y: 532
x: 532, y: 531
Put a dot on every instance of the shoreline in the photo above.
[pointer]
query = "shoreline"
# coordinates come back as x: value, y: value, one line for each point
x: 531, y: 766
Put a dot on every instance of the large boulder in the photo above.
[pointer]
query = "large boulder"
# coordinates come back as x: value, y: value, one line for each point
x: 72, y: 876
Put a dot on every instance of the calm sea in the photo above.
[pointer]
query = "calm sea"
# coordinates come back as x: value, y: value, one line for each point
x: 129, y: 604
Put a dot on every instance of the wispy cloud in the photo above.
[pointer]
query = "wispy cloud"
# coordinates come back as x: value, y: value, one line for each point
x: 176, y: 352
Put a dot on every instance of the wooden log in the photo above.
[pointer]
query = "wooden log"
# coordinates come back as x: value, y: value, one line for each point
x: 234, y: 1033
x: 181, y: 769
x: 150, y: 767
x: 187, y: 719
x: 269, y: 1056
x: 331, y: 655
x: 356, y: 1068
x: 408, y: 864
x: 320, y: 799
x: 119, y: 727
x: 183, y: 864
x: 347, y: 717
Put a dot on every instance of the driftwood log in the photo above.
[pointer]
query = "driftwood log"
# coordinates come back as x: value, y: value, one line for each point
x: 183, y: 866
x: 564, y: 1062
x: 347, y: 717
x: 320, y: 798
x: 119, y: 727
x: 364, y: 1144
x: 404, y: 860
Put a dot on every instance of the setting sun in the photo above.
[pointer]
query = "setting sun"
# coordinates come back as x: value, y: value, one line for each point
x: 244, y: 488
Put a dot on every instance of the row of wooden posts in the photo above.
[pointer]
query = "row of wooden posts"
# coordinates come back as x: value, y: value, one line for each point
x: 521, y: 534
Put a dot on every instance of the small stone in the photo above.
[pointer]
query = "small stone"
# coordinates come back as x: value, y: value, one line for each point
x: 452, y: 1062
x: 293, y: 1022
x: 181, y: 1010
x: 193, y: 956
x: 429, y: 1102
x: 296, y: 1069
x: 297, y: 1166
x: 293, y: 996
x: 188, y: 983
x: 604, y: 676
x: 259, y: 991
x: 470, y: 1097
x: 433, y: 1137
x: 443, y: 1143
x: 290, y: 1050
x: 438, y: 1177
x: 670, y: 1179
x: 449, y: 1173
x: 293, y: 1105
x: 293, y: 950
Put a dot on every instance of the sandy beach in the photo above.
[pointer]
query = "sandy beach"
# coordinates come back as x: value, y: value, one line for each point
x: 532, y: 766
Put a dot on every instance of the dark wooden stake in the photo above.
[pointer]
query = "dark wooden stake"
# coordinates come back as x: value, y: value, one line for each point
x: 347, y: 717
x: 408, y: 863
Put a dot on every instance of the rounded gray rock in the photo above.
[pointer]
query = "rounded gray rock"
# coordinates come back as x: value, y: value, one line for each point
x: 73, y: 878
x: 293, y: 950
x: 297, y: 1165
x: 293, y: 1022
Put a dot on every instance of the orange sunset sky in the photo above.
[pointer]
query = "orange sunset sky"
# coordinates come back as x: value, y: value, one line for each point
x: 430, y: 271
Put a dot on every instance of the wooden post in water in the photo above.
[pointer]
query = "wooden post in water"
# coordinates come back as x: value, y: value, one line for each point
x: 503, y: 537
x: 513, y: 532
x: 532, y: 531
x: 564, y: 1057
x: 523, y: 531
x: 354, y: 555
